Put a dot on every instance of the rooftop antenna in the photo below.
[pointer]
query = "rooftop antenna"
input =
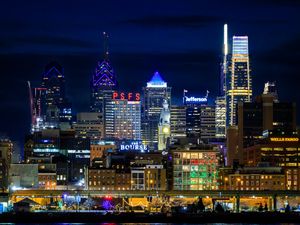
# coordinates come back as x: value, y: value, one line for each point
x: 105, y: 45
x: 224, y: 66
x: 207, y: 92
x: 225, y: 40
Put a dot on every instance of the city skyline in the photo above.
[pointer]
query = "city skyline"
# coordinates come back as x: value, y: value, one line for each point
x: 191, y: 45
x: 152, y: 111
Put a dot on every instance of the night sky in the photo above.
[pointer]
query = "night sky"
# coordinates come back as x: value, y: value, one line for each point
x: 180, y: 39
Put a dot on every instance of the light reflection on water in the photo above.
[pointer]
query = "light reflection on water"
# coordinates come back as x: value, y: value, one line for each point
x: 146, y: 224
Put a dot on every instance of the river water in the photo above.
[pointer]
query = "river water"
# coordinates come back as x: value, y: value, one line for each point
x: 146, y: 224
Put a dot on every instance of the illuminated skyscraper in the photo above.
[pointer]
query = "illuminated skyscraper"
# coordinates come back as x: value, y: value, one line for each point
x: 239, y: 83
x: 200, y: 117
x: 155, y: 93
x: 123, y: 116
x: 37, y: 107
x: 54, y: 82
x: 103, y: 83
x: 58, y: 108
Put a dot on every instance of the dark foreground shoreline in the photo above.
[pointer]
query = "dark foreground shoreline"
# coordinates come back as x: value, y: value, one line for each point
x: 249, y: 217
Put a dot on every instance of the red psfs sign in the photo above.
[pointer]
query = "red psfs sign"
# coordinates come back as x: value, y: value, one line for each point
x: 127, y: 96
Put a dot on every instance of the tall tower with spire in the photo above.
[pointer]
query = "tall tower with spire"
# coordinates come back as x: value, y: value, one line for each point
x: 103, y: 82
x: 220, y: 112
x: 224, y: 64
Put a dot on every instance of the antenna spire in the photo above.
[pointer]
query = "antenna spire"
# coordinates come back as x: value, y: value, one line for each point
x: 225, y: 39
x: 105, y: 45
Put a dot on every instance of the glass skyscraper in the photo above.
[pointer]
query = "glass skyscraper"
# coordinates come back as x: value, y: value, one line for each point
x: 154, y: 95
x: 58, y: 108
x: 102, y: 86
x: 239, y: 82
x: 103, y: 83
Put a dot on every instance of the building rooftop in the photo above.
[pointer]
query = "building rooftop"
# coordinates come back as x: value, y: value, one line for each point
x: 156, y: 81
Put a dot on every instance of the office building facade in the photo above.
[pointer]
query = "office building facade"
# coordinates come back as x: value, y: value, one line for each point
x: 89, y: 125
x: 195, y: 168
x: 220, y: 117
x: 178, y: 121
x: 123, y: 116
x: 208, y: 122
x: 200, y: 118
x: 279, y: 148
x: 263, y: 114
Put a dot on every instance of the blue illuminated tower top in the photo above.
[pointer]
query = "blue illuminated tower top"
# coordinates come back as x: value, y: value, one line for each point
x: 156, y: 81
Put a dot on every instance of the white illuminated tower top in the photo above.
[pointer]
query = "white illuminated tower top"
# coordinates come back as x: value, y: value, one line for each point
x: 225, y: 40
x: 240, y: 47
x: 165, y: 114
x: 224, y: 65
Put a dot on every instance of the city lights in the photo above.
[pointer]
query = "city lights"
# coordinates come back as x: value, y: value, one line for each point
x: 181, y: 127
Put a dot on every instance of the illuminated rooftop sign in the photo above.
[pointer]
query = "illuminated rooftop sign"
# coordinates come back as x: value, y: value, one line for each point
x: 133, y: 146
x: 195, y: 99
x: 126, y: 96
x: 285, y: 139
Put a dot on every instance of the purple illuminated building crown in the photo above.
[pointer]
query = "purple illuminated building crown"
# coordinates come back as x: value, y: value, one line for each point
x: 104, y: 75
x: 53, y: 69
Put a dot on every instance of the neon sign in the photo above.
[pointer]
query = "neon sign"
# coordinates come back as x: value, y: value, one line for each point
x: 290, y: 139
x: 126, y: 96
x: 133, y: 146
x: 194, y: 99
